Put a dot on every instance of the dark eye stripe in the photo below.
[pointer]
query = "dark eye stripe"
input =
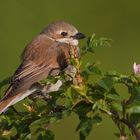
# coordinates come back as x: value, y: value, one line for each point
x: 64, y: 33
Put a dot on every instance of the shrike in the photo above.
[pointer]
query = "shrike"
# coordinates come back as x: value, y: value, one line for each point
x: 50, y: 50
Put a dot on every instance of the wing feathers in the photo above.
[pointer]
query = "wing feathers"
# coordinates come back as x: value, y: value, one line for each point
x: 38, y: 59
x: 5, y: 103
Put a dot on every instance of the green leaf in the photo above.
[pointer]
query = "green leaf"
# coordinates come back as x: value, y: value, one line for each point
x: 25, y: 136
x: 46, y: 135
x: 101, y: 42
x: 96, y: 119
x: 95, y: 106
x: 135, y: 96
x: 82, y: 107
x: 82, y: 90
x: 113, y: 97
x: 134, y: 118
x: 96, y: 70
x: 69, y: 97
x: 106, y: 83
x: 133, y: 110
x: 40, y: 121
x: 92, y: 68
x: 54, y: 119
x: 66, y: 113
x: 112, y: 74
x: 96, y: 92
x: 49, y: 135
x: 93, y: 43
x: 116, y: 107
x: 86, y: 124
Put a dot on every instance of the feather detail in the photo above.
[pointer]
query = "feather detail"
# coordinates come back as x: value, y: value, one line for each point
x: 6, y: 102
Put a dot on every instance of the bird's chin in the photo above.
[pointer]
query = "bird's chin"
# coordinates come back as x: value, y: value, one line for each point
x: 74, y: 42
x: 71, y: 41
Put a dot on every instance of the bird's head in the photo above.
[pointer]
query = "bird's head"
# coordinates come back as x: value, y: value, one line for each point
x: 63, y: 32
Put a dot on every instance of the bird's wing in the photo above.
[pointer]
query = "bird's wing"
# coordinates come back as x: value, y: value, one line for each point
x: 35, y: 65
x: 39, y: 59
x: 26, y: 75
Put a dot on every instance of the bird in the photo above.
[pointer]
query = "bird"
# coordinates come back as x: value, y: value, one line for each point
x: 48, y: 51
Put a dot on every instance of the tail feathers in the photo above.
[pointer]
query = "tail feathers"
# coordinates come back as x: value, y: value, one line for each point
x: 7, y: 102
x: 4, y: 104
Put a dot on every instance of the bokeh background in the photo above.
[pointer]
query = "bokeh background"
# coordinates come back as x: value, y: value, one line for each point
x: 21, y: 20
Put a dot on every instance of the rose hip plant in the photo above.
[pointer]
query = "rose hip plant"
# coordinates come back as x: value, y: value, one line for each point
x: 87, y: 98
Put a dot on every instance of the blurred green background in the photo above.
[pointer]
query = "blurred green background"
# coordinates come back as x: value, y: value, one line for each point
x: 22, y: 20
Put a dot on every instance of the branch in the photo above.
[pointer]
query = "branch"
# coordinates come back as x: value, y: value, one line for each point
x: 126, y: 122
x: 132, y: 127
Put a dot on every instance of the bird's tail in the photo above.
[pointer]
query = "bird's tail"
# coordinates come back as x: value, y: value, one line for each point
x: 9, y: 101
x: 5, y: 103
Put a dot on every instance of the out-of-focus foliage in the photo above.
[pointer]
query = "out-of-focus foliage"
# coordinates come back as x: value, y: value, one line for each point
x: 87, y: 100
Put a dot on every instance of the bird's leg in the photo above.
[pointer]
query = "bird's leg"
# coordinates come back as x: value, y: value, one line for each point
x: 52, y: 87
x: 70, y: 72
x: 44, y: 92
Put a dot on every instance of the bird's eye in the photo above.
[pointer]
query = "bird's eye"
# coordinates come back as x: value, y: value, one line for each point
x: 64, y: 33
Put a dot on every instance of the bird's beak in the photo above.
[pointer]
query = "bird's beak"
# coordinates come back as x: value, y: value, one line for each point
x: 79, y: 36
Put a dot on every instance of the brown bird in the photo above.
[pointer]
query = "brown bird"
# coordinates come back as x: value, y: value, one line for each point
x: 50, y: 50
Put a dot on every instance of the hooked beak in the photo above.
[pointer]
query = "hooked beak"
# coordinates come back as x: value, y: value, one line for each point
x: 79, y: 36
